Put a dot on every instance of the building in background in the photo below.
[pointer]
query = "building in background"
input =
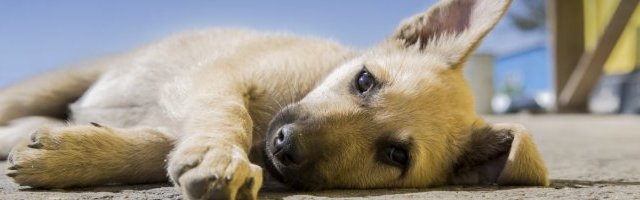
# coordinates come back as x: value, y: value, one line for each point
x: 522, y: 75
x: 618, y: 91
x: 523, y: 72
x: 624, y: 57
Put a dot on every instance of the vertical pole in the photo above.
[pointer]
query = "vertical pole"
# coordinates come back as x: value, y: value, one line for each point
x: 566, y: 26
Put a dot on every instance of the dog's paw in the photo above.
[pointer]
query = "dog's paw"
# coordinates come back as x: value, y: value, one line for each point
x: 52, y: 157
x: 214, y: 172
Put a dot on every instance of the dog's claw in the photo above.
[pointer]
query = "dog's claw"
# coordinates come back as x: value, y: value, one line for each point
x: 35, y: 145
x: 95, y: 124
x: 215, y: 177
x: 14, y: 167
x: 228, y: 178
x: 12, y: 174
x: 220, y: 176
x: 249, y: 182
x: 187, y: 168
x: 33, y: 137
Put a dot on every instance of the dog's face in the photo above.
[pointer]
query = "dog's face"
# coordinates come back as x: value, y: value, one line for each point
x: 384, y: 120
x: 401, y: 115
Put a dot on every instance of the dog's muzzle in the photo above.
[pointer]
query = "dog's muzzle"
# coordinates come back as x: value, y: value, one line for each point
x: 286, y: 157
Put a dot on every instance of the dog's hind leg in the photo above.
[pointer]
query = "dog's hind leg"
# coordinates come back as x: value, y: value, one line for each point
x: 18, y: 130
x: 48, y: 94
x: 78, y: 156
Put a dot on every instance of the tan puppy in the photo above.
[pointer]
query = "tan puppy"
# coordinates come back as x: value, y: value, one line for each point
x: 211, y: 107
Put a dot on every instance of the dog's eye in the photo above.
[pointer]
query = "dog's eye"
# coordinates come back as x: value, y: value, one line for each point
x: 397, y: 156
x: 364, y: 81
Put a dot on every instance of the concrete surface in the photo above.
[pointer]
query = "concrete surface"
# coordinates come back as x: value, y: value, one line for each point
x: 589, y: 157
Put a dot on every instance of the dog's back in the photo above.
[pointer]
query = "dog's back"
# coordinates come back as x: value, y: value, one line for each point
x: 151, y: 82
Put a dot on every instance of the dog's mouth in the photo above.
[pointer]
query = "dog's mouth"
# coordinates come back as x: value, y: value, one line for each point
x: 290, y: 175
x: 270, y: 165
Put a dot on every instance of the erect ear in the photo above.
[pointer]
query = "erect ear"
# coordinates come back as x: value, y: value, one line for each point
x: 501, y: 154
x: 453, y: 28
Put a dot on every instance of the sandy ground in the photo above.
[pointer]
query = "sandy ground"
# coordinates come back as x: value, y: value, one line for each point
x: 589, y: 157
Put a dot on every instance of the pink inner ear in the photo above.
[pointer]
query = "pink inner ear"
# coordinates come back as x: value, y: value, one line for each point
x: 450, y: 19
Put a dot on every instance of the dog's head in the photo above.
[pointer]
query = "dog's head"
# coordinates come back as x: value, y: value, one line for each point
x: 402, y: 115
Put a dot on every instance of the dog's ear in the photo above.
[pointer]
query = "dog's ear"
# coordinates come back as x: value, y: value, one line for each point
x: 500, y: 154
x: 453, y: 28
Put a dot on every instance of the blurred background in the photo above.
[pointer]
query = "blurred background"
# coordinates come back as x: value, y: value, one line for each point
x: 544, y: 56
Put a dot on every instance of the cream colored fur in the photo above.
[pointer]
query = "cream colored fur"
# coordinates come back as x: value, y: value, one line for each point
x: 200, y: 103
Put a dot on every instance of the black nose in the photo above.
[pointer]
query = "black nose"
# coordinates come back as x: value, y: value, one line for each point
x: 285, y: 146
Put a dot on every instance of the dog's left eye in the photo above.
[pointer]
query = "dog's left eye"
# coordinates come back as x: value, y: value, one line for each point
x: 364, y: 81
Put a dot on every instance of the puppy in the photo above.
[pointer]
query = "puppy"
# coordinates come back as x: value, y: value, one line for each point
x: 213, y: 108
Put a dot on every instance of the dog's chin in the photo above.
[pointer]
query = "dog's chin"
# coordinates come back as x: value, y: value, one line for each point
x: 283, y: 174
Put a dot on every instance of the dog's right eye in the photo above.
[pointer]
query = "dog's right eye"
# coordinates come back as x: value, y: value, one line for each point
x: 396, y: 156
x: 364, y: 81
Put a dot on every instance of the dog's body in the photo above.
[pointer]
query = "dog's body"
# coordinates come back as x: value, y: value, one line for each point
x: 224, y: 103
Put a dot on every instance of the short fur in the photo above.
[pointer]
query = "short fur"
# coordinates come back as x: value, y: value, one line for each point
x: 206, y: 106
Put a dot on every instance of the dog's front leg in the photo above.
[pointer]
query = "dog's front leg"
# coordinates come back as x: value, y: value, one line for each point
x: 211, y: 160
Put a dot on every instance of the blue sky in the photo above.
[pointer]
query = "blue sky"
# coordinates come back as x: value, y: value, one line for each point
x: 39, y: 35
